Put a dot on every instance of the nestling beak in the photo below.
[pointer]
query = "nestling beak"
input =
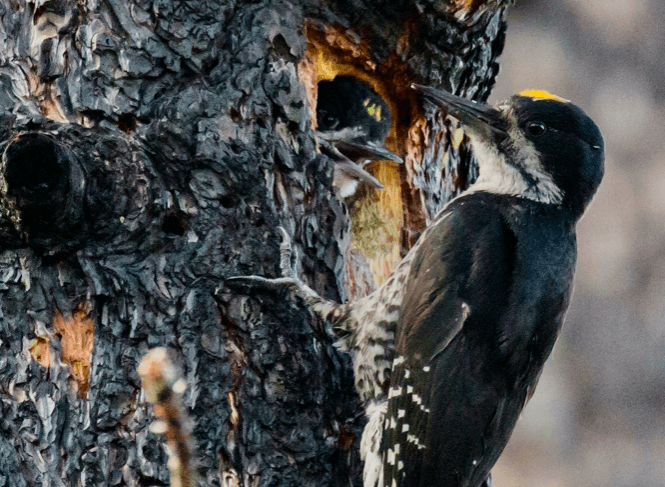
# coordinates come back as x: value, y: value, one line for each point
x: 484, y: 120
x: 347, y: 141
x: 357, y: 151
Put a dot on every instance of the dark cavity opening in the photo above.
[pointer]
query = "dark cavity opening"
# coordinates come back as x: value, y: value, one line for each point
x: 33, y: 164
x: 175, y: 223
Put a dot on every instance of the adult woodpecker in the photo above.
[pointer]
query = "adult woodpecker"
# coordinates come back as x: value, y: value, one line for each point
x: 353, y: 122
x: 449, y: 350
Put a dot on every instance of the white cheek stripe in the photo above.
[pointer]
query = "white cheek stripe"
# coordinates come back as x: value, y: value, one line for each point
x: 499, y: 177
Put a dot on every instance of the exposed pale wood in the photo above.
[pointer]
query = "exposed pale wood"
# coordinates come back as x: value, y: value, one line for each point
x: 76, y: 339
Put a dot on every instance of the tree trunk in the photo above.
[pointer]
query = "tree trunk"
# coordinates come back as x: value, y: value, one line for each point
x: 151, y: 148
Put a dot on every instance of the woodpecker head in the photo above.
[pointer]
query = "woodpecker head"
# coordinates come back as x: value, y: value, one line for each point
x: 351, y: 115
x: 353, y: 122
x: 535, y: 145
x: 348, y: 103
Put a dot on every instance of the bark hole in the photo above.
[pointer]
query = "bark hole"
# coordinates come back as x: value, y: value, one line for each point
x: 42, y: 187
x: 127, y: 123
x: 175, y: 223
x: 32, y: 165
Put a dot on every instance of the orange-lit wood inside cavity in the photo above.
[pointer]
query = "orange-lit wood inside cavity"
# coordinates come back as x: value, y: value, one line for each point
x: 77, y: 339
x: 377, y: 223
x: 334, y: 51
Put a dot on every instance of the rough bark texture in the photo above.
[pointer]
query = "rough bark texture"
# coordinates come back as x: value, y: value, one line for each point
x: 150, y: 149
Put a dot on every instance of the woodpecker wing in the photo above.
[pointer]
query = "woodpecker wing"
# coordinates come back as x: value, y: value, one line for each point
x: 440, y: 407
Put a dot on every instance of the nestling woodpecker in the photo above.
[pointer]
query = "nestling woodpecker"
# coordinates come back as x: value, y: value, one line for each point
x: 450, y: 348
x: 353, y: 122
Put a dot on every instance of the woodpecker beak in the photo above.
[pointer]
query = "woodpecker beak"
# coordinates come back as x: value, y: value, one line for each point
x: 356, y: 151
x: 480, y: 118
x: 346, y: 170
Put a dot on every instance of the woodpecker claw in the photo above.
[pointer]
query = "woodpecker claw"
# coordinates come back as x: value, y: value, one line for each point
x: 259, y: 282
x: 289, y: 279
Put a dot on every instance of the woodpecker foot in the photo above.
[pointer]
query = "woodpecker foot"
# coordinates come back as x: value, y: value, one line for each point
x: 289, y: 279
x: 259, y: 282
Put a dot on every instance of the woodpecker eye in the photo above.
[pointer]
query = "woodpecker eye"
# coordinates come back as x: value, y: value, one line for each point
x: 536, y: 128
x: 331, y: 121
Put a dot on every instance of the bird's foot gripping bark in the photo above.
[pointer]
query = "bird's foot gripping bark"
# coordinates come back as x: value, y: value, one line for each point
x: 289, y: 280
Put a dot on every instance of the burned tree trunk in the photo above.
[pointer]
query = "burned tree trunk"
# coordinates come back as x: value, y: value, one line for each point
x: 151, y: 149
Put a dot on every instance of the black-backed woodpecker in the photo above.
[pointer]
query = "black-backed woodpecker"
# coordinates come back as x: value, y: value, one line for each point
x: 449, y: 349
x: 353, y: 122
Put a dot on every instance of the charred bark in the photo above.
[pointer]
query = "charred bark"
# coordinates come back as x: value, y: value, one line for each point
x: 150, y: 149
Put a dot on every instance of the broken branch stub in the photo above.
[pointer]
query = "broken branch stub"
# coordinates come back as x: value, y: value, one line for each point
x: 59, y: 191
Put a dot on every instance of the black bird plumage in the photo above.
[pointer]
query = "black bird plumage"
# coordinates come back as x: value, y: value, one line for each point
x: 487, y: 291
x: 460, y: 331
x: 480, y: 314
x: 353, y: 122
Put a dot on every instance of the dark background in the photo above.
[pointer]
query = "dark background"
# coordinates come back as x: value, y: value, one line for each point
x: 598, y: 416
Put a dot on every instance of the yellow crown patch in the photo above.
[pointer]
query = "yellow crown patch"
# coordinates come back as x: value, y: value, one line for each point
x: 542, y: 95
x: 373, y: 110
